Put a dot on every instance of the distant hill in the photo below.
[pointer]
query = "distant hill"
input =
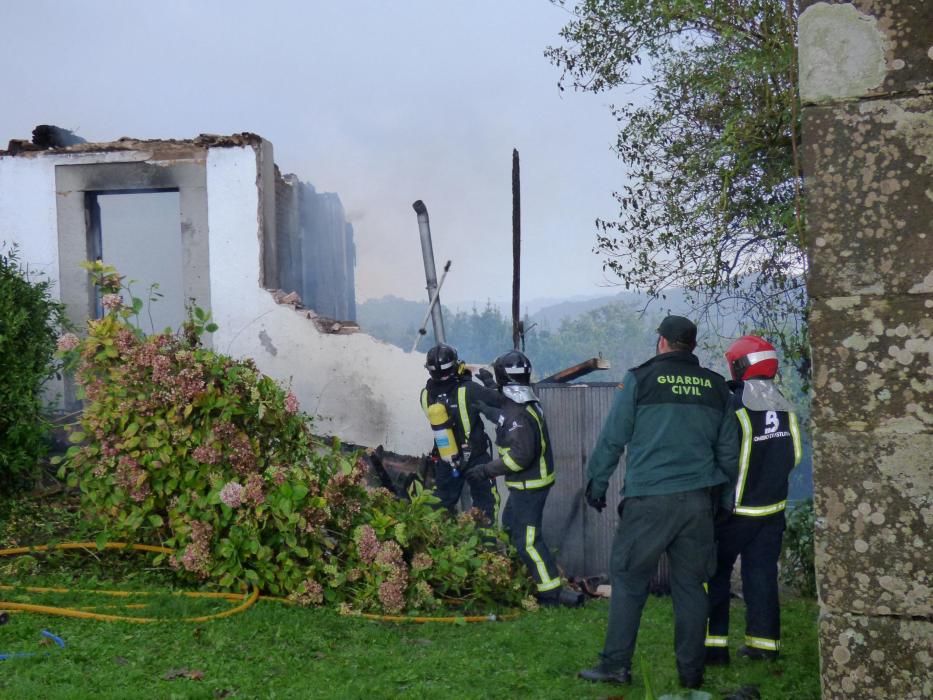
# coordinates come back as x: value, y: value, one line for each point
x: 552, y: 315
x: 396, y: 320
x: 391, y: 319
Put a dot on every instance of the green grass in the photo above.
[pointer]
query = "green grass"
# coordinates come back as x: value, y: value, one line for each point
x: 278, y: 651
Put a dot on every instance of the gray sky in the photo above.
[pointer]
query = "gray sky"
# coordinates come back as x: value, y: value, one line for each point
x: 381, y: 102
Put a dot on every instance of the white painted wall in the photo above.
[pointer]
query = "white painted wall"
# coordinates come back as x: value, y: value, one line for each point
x: 360, y: 389
x: 27, y: 213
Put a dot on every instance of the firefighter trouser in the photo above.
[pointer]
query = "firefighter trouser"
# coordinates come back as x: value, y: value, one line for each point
x: 448, y: 488
x: 758, y: 541
x: 680, y: 524
x: 521, y: 519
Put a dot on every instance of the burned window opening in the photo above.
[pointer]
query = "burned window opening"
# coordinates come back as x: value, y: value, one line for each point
x: 138, y: 231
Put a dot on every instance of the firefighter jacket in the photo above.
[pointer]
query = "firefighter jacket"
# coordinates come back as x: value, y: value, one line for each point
x: 524, y: 446
x: 462, y: 397
x: 672, y: 417
x: 771, y: 447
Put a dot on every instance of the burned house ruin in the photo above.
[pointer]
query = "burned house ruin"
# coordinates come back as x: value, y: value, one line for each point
x: 214, y: 223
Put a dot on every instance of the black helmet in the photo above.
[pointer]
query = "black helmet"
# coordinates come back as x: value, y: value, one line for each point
x: 442, y: 362
x: 512, y: 367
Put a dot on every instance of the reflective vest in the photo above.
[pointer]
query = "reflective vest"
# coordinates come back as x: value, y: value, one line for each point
x: 771, y: 448
x: 524, y: 446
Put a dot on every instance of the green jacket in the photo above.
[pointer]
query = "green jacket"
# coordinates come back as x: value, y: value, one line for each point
x: 673, y: 417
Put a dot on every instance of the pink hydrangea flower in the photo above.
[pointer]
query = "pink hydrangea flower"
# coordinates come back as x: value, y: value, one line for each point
x: 197, y: 555
x: 392, y: 596
x: 233, y: 494
x: 291, y: 403
x: 421, y: 561
x: 311, y: 593
x: 68, y: 342
x: 254, y: 491
x: 112, y: 302
x: 206, y: 454
x: 368, y: 544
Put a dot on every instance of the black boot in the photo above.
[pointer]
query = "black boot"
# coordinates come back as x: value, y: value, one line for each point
x: 717, y: 656
x: 571, y: 599
x: 562, y: 597
x: 754, y: 654
x: 600, y: 674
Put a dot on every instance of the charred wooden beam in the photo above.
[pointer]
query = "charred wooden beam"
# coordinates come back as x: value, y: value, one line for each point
x: 577, y: 371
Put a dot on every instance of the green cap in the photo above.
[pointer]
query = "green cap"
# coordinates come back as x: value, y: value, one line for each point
x: 677, y: 329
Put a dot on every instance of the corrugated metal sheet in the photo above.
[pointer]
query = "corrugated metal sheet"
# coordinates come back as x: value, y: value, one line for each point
x: 580, y: 537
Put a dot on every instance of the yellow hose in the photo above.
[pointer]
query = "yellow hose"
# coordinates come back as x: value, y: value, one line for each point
x: 85, y: 545
x: 86, y: 615
x: 253, y: 597
x: 453, y: 620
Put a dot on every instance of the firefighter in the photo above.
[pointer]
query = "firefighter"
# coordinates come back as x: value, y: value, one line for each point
x: 770, y: 449
x: 671, y: 418
x: 526, y: 460
x: 451, y: 386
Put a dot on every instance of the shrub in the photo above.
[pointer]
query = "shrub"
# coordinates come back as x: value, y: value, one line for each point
x: 202, y: 452
x: 798, y: 569
x: 30, y: 320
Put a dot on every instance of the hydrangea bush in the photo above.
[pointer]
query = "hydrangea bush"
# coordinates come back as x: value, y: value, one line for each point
x: 30, y: 320
x: 181, y: 445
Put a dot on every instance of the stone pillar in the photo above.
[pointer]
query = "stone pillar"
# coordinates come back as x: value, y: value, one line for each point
x: 866, y: 83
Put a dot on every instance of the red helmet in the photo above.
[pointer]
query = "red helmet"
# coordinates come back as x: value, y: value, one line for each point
x: 752, y: 357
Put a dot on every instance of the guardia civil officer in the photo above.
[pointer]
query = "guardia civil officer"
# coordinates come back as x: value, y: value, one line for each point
x: 451, y: 385
x: 672, y: 418
x: 770, y: 449
x: 526, y: 461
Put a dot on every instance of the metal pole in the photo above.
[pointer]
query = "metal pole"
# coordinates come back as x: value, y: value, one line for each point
x: 430, y: 273
x: 421, y: 329
x: 516, y: 249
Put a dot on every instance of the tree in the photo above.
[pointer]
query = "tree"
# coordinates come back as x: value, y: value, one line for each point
x: 479, y: 336
x: 615, y: 331
x: 713, y: 200
x: 30, y: 321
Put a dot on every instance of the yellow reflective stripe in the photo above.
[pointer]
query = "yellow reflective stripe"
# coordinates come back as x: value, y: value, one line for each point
x: 507, y: 458
x: 795, y: 434
x: 761, y: 510
x: 464, y: 413
x: 745, y: 454
x: 763, y: 643
x: 531, y: 483
x: 716, y: 641
x: 424, y: 401
x: 496, y: 502
x: 547, y: 583
x: 542, y: 462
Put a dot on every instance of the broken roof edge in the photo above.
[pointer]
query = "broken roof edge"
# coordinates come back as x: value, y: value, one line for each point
x: 24, y: 148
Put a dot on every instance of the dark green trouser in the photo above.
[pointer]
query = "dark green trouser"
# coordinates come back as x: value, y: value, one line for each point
x: 682, y: 525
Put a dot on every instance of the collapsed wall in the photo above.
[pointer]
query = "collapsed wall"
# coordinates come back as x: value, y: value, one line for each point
x: 866, y: 78
x: 316, y: 251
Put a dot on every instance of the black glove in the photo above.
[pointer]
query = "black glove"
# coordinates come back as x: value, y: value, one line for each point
x: 485, y: 376
x: 477, y: 474
x: 596, y: 504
